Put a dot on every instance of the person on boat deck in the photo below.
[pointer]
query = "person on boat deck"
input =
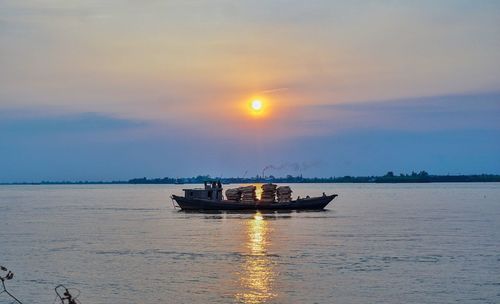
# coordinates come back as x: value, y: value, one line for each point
x: 219, y: 185
x: 214, y: 185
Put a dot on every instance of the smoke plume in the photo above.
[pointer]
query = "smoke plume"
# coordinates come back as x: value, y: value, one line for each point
x: 291, y: 166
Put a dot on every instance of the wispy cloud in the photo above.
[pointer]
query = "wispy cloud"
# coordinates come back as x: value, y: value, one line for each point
x: 275, y: 90
x: 438, y: 113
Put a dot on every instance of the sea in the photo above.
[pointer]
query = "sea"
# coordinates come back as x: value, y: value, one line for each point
x: 375, y: 243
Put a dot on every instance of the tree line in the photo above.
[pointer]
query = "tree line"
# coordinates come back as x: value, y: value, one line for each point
x: 389, y: 177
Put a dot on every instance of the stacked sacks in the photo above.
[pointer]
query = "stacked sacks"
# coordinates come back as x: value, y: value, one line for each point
x: 248, y: 194
x: 233, y: 195
x: 268, y: 193
x: 284, y: 194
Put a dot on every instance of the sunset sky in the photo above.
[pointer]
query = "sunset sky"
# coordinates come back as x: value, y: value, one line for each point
x: 102, y: 90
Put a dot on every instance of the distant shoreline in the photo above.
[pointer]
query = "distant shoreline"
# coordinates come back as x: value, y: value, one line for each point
x: 390, y: 177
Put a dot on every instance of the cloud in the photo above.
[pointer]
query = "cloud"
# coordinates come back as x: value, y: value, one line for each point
x: 275, y: 90
x: 436, y: 113
x: 442, y: 134
x: 19, y: 123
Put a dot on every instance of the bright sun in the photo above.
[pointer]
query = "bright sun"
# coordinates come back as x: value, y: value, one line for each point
x: 256, y: 105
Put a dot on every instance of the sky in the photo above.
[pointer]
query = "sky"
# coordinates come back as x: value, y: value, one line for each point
x: 112, y: 90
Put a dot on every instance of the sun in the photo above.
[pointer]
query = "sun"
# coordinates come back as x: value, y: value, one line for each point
x: 256, y: 105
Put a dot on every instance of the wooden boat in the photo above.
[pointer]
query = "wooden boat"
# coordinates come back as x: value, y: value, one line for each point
x: 312, y: 203
x: 210, y: 198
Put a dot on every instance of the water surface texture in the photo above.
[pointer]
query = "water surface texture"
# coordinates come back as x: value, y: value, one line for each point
x: 412, y: 243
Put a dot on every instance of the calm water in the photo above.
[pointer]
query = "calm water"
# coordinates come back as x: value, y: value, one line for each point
x: 426, y: 243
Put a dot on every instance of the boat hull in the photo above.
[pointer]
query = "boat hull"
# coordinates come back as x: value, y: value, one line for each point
x: 313, y: 203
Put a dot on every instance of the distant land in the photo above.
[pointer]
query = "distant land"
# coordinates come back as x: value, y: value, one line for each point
x: 389, y: 177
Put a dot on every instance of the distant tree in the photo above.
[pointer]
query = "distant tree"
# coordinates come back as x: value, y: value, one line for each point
x: 390, y: 174
x: 423, y: 174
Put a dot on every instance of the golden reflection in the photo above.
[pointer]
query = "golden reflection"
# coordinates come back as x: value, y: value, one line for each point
x: 258, y: 274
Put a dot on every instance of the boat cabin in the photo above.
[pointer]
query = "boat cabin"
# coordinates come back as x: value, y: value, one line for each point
x: 212, y: 191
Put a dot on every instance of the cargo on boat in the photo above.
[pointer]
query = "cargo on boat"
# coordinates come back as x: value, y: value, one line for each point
x: 244, y: 198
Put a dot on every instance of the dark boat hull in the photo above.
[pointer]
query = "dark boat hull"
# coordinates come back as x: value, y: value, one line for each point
x: 313, y: 203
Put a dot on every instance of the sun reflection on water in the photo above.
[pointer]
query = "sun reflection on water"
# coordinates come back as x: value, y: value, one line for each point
x: 258, y: 274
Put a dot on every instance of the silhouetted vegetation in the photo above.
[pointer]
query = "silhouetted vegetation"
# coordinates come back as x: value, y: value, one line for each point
x: 389, y: 177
